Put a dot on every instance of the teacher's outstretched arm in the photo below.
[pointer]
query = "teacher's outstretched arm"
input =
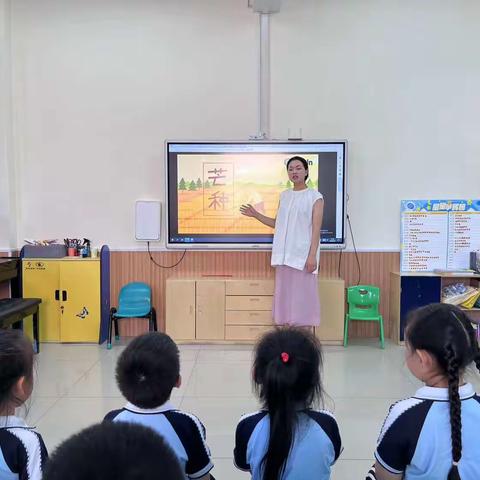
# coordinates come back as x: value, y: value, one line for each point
x: 250, y: 211
x: 317, y: 218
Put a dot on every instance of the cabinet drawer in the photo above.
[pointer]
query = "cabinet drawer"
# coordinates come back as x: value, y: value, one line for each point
x: 248, y: 317
x: 245, y: 332
x: 249, y: 287
x: 249, y: 302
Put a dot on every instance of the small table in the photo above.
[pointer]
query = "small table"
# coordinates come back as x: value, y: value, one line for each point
x: 14, y: 310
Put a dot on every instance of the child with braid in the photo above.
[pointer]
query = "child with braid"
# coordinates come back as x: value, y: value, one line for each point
x: 434, y: 435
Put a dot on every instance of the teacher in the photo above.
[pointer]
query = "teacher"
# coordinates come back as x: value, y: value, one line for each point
x: 295, y: 250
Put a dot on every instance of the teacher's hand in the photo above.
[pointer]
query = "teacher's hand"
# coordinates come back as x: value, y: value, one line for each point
x: 311, y: 264
x: 248, y: 210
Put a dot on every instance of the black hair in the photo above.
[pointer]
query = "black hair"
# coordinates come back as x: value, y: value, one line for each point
x: 445, y: 331
x: 300, y: 159
x: 286, y: 376
x: 114, y: 451
x: 148, y: 369
x: 16, y: 361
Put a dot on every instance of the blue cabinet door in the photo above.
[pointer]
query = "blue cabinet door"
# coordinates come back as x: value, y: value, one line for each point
x: 417, y: 292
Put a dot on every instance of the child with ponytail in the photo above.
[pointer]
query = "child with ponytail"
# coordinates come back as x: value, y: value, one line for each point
x: 435, y: 434
x: 287, y: 440
x: 22, y: 451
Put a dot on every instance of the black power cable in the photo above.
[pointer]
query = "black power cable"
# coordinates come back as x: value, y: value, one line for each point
x: 340, y: 264
x: 165, y: 266
x: 355, y: 250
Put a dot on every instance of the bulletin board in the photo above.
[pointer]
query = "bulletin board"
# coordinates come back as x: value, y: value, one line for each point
x: 438, y: 234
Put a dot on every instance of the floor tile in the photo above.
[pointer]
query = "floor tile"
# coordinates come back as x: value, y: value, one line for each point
x: 220, y: 416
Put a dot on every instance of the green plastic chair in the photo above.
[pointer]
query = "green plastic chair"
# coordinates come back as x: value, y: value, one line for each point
x: 363, y: 303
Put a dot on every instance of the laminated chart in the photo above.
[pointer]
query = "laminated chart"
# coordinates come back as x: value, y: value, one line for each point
x: 438, y: 234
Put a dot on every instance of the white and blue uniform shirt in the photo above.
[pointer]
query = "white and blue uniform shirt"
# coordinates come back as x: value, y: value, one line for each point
x: 416, y: 436
x: 315, y: 448
x: 22, y: 451
x: 183, y: 432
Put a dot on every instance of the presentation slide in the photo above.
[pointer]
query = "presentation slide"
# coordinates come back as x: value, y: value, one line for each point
x: 212, y: 188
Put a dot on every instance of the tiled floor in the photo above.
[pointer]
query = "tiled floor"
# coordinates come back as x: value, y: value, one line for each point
x: 75, y: 387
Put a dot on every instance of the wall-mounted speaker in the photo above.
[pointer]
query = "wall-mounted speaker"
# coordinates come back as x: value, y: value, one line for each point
x: 148, y: 215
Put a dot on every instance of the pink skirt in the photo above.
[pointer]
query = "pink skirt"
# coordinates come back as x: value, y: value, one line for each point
x: 296, y: 300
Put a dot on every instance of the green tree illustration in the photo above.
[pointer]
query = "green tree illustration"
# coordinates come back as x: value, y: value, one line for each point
x: 199, y: 183
x: 192, y: 186
x: 182, y: 185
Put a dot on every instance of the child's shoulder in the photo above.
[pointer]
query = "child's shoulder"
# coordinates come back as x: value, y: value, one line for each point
x: 253, y: 416
x: 412, y: 410
x: 404, y: 405
x: 26, y: 438
x: 322, y: 413
x: 249, y: 421
x: 324, y: 419
x: 185, y: 420
x: 113, y: 414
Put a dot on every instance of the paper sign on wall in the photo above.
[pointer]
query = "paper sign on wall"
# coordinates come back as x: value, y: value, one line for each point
x: 438, y: 234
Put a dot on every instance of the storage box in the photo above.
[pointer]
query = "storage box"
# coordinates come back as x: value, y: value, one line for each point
x: 55, y: 250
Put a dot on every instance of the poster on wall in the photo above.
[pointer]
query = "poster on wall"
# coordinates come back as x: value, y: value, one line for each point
x: 438, y: 234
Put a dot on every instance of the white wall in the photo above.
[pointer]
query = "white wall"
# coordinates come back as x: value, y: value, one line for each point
x: 400, y: 80
x: 8, y: 212
x: 100, y: 84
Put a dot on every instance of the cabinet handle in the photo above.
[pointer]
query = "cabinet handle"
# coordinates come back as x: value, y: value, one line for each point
x: 254, y: 284
x: 57, y: 295
x: 254, y: 299
x: 64, y: 295
x: 191, y: 309
x: 254, y: 314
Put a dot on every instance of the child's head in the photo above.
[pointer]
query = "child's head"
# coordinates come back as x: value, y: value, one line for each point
x: 286, y: 375
x: 441, y: 343
x: 116, y: 451
x: 16, y: 370
x: 148, y: 369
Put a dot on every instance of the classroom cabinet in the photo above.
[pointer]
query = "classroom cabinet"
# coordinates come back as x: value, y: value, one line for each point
x: 240, y: 310
x: 409, y: 291
x: 71, y: 301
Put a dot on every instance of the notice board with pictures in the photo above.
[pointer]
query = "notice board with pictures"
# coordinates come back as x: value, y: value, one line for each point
x: 438, y: 234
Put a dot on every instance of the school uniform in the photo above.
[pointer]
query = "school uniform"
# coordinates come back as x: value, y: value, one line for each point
x: 315, y: 447
x: 22, y: 451
x: 183, y: 432
x: 416, y: 436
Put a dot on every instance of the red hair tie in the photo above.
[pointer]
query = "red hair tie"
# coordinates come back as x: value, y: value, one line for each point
x: 285, y: 357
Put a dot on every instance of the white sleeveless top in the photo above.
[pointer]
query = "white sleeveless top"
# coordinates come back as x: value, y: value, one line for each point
x: 293, y: 228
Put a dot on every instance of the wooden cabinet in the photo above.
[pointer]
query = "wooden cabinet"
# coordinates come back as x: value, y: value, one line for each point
x: 240, y: 310
x: 180, y: 309
x: 250, y: 302
x: 246, y: 332
x: 332, y: 310
x: 249, y: 317
x: 210, y: 313
x: 250, y: 287
x: 71, y: 299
